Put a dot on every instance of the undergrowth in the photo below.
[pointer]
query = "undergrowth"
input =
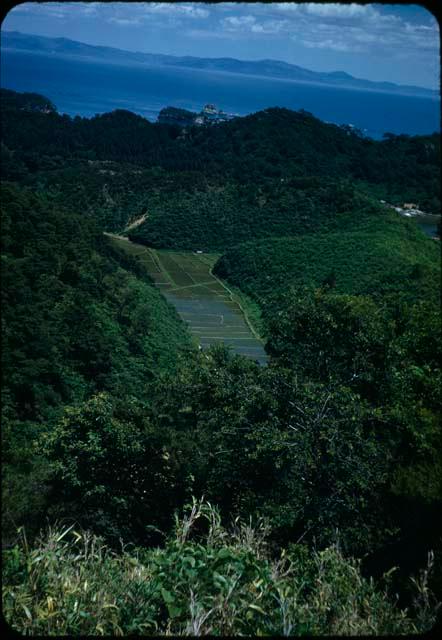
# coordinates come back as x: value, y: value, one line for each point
x: 206, y: 580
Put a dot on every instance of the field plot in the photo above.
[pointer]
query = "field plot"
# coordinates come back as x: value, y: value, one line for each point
x: 206, y: 305
x: 200, y: 299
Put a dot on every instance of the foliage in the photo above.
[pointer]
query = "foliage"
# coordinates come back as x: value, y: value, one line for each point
x: 111, y: 470
x: 108, y: 329
x: 112, y: 419
x: 387, y: 256
x: 329, y: 336
x: 206, y: 580
x: 308, y: 457
x: 33, y: 102
x: 74, y: 323
x: 220, y: 217
x: 117, y: 161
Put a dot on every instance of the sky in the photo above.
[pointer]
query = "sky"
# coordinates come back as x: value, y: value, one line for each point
x: 396, y: 43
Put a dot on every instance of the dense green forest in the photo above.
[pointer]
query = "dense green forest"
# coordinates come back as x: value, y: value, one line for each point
x: 137, y: 162
x: 380, y: 256
x: 150, y: 487
x: 78, y: 319
x: 217, y: 218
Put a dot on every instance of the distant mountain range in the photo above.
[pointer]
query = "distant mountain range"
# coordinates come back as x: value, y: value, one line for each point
x: 267, y: 68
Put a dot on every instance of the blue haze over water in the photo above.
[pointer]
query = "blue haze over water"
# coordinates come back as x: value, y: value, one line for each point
x: 89, y: 87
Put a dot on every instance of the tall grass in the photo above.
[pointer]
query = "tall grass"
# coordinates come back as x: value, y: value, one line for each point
x: 206, y: 580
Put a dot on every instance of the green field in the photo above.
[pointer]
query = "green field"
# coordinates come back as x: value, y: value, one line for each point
x: 212, y: 311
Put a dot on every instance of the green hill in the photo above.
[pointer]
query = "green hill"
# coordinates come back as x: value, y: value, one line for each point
x: 221, y: 216
x: 279, y: 143
x: 255, y: 150
x: 390, y: 257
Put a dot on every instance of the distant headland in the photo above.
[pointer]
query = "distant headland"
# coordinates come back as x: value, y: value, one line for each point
x: 276, y: 69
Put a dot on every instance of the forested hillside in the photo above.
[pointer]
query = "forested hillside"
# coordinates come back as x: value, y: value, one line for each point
x: 217, y: 218
x: 259, y: 150
x: 377, y: 256
x: 78, y: 319
x: 180, y: 491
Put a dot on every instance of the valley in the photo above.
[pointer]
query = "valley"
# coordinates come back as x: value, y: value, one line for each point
x: 211, y: 311
x: 139, y: 265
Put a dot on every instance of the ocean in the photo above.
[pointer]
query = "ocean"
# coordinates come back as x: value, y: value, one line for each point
x: 87, y: 87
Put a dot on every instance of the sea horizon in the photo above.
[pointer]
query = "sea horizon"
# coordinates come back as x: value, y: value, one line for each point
x: 71, y: 83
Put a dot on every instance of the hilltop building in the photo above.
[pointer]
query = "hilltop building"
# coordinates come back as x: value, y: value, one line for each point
x: 210, y: 110
x: 184, y: 118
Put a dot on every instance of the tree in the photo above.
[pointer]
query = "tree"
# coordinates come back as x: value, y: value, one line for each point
x: 327, y: 336
x: 110, y: 471
x: 305, y: 456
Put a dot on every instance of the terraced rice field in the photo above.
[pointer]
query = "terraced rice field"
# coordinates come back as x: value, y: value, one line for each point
x: 201, y: 300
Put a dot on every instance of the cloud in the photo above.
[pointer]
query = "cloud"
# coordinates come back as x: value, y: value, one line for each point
x: 168, y: 8
x: 270, y: 26
x: 58, y: 10
x: 232, y: 22
x: 52, y: 10
x: 152, y: 14
x: 124, y: 22
x: 371, y: 29
x: 354, y: 28
x: 90, y: 9
x: 336, y: 12
x: 333, y: 45
x: 333, y: 10
x: 116, y: 12
x: 329, y: 10
x: 248, y: 24
x: 211, y: 34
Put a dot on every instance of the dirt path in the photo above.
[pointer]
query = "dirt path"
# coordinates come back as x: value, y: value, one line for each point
x: 137, y: 222
x: 115, y: 235
x: 236, y: 301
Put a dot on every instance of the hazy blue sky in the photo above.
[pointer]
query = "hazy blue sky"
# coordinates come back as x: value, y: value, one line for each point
x: 399, y: 43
